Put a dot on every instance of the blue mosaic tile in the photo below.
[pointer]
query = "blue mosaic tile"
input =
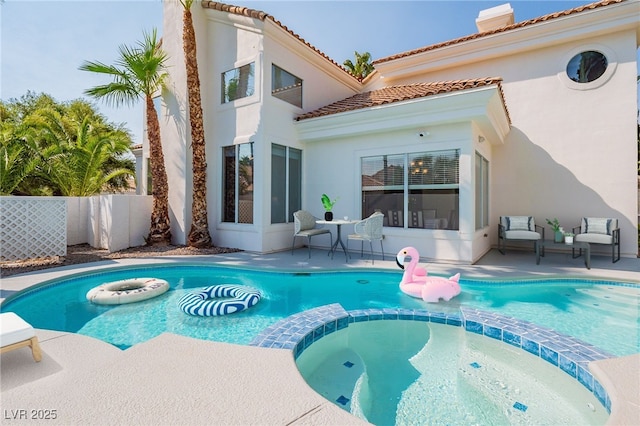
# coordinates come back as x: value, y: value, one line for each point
x: 600, y: 393
x: 343, y: 322
x: 390, y: 314
x: 549, y: 355
x: 567, y: 366
x: 493, y: 332
x: 318, y: 333
x: 473, y: 327
x: 454, y: 321
x: 438, y: 318
x: 404, y: 313
x: 585, y: 378
x: 330, y: 327
x: 511, y: 338
x: 421, y: 316
x: 342, y: 400
x: 520, y: 406
x: 308, y: 340
x: 531, y: 346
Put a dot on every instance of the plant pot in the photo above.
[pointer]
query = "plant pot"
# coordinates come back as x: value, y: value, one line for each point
x: 568, y: 240
x: 558, y: 237
x: 328, y: 216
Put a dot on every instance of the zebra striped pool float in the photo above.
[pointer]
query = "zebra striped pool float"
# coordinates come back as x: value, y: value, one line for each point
x: 204, y: 303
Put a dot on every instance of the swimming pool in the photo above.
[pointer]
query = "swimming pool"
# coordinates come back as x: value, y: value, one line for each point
x: 604, y: 314
x: 412, y: 372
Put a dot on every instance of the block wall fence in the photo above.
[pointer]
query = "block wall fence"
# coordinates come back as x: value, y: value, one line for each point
x: 36, y: 227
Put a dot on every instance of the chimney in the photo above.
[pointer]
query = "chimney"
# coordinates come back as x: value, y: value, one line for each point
x: 495, y: 18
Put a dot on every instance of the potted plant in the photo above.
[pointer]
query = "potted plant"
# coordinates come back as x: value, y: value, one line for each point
x: 568, y: 237
x: 328, y: 206
x: 558, y: 235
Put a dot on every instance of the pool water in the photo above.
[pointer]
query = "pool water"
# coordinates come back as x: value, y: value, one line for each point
x: 603, y: 314
x: 410, y: 372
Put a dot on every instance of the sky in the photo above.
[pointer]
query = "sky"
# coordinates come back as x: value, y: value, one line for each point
x: 43, y: 43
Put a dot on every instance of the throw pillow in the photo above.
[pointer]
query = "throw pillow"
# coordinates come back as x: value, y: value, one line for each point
x: 519, y: 223
x: 597, y: 225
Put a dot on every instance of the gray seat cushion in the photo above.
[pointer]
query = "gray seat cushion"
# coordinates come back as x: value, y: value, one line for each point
x: 521, y: 235
x: 594, y: 238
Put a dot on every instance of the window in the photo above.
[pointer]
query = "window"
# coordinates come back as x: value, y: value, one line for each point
x: 423, y: 185
x: 237, y: 191
x: 482, y: 192
x: 286, y: 183
x: 586, y: 67
x: 238, y: 83
x: 286, y: 86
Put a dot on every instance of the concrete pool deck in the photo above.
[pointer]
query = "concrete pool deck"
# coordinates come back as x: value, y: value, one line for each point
x: 179, y: 380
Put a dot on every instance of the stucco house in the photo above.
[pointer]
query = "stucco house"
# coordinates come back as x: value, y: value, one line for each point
x: 529, y: 118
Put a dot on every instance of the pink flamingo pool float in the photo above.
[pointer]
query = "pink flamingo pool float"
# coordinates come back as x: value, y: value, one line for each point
x: 416, y: 282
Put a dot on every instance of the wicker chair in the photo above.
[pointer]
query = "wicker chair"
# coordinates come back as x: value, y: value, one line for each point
x: 305, y: 226
x: 369, y: 229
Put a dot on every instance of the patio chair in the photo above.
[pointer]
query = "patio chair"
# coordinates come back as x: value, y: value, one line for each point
x: 519, y: 228
x: 305, y: 226
x: 16, y: 333
x: 598, y: 230
x: 369, y: 229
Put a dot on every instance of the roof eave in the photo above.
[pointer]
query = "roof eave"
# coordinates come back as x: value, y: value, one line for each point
x: 483, y: 106
x: 589, y: 23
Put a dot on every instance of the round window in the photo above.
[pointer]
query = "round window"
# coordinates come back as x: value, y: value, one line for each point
x: 586, y: 67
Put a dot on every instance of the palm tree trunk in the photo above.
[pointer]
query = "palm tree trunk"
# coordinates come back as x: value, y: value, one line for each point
x: 199, y: 234
x: 160, y: 230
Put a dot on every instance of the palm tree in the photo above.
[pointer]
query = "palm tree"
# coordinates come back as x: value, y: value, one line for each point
x: 362, y: 67
x: 18, y: 157
x: 199, y: 234
x: 139, y: 73
x: 77, y: 167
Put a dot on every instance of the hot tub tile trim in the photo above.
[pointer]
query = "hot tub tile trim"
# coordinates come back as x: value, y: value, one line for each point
x: 572, y: 356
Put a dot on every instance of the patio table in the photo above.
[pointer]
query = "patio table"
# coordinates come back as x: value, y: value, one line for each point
x: 338, y: 223
x: 540, y: 244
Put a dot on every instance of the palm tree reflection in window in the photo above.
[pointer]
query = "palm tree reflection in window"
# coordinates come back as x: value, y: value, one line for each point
x: 587, y: 66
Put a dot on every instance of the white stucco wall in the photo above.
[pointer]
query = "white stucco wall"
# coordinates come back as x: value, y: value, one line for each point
x: 334, y: 169
x: 569, y: 153
x: 227, y: 41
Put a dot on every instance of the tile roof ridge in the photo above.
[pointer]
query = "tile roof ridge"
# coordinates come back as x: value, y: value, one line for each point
x: 258, y: 14
x: 520, y: 24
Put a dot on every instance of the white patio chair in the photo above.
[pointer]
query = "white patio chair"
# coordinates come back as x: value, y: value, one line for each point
x: 518, y: 228
x: 305, y: 226
x: 369, y: 229
x: 596, y: 230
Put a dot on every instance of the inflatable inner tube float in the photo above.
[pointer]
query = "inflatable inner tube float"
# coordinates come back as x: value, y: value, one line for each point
x: 127, y: 291
x: 207, y: 302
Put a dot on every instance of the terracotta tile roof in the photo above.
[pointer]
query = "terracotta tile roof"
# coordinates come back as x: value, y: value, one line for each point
x: 544, y: 18
x: 257, y: 14
x: 391, y: 94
